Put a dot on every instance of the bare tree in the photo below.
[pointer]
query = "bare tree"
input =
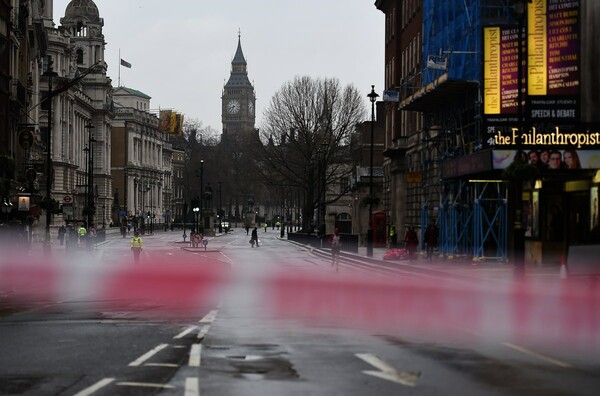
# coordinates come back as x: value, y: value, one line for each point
x: 308, y: 128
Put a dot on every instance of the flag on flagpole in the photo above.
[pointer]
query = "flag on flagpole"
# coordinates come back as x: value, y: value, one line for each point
x: 126, y: 64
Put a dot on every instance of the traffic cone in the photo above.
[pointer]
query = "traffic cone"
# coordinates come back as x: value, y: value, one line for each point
x: 563, y: 268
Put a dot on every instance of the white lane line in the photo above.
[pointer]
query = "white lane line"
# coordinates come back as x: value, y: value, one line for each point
x: 161, y: 365
x: 148, y: 355
x: 98, y: 385
x: 145, y: 385
x: 209, y: 318
x: 195, y: 355
x: 375, y: 362
x: 185, y: 332
x: 202, y: 333
x: 191, y: 387
x: 387, y: 372
x: 537, y: 355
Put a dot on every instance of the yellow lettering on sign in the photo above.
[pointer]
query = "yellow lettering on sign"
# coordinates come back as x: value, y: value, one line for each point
x: 537, y: 47
x: 491, y: 73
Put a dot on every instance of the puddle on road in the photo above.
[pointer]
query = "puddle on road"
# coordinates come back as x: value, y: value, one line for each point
x: 258, y: 362
x: 18, y: 385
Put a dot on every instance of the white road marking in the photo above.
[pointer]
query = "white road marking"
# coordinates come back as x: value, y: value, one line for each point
x: 186, y: 332
x: 209, y: 318
x: 202, y: 333
x: 195, y: 353
x: 147, y: 355
x: 537, y: 355
x: 145, y: 385
x: 387, y: 372
x: 161, y: 364
x: 191, y: 387
x: 98, y: 385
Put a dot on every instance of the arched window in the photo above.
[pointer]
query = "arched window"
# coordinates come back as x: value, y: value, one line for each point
x: 80, y: 30
x: 79, y: 56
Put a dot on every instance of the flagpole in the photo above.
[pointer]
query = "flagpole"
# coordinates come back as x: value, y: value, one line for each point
x: 119, y: 83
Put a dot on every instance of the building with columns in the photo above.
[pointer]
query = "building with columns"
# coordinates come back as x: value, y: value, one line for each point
x: 88, y: 107
x: 141, y: 162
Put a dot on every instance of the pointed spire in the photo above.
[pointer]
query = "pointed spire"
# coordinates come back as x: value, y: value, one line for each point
x: 239, y: 59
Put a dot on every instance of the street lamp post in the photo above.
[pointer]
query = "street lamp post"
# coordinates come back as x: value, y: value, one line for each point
x: 147, y: 214
x: 323, y: 196
x: 196, y: 210
x: 90, y: 175
x: 49, y: 73
x: 201, y: 195
x: 220, y: 217
x: 373, y: 98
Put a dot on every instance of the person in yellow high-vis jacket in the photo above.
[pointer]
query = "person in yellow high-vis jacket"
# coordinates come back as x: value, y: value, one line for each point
x: 136, y: 246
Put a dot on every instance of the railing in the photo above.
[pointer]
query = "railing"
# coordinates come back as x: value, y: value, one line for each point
x: 349, y: 241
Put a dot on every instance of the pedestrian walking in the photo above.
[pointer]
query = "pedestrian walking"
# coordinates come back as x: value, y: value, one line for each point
x: 411, y: 241
x: 247, y: 229
x: 81, y: 232
x: 136, y: 246
x: 393, y: 237
x: 61, y: 234
x: 335, y: 241
x: 254, y: 237
x: 266, y: 225
x: 431, y: 239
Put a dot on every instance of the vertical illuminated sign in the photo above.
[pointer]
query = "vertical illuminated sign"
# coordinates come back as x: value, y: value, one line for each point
x: 563, y: 47
x: 491, y: 73
x: 537, y: 56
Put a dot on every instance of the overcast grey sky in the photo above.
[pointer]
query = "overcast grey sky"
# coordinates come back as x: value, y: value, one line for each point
x: 181, y: 50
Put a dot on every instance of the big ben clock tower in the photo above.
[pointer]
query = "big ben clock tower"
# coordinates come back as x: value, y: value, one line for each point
x: 238, y: 100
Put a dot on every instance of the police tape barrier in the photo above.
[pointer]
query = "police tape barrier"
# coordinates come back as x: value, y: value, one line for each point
x: 564, y: 314
x: 560, y: 314
x: 160, y: 287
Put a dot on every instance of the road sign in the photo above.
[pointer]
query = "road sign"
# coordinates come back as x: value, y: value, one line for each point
x: 26, y: 138
x: 67, y: 199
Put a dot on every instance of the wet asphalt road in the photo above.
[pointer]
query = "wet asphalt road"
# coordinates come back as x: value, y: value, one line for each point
x: 240, y: 346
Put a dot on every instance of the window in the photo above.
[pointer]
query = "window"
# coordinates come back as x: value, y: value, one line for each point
x: 344, y: 185
x: 79, y: 56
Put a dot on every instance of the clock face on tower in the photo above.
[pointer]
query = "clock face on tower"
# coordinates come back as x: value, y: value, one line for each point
x: 250, y: 108
x: 233, y: 107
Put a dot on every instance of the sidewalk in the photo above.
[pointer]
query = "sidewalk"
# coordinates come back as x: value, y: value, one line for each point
x: 491, y: 269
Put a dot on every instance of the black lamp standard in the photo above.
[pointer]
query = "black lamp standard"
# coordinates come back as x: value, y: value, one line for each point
x: 152, y: 213
x: 373, y: 98
x: 49, y: 73
x: 147, y: 214
x: 323, y: 196
x: 220, y: 217
x: 90, y: 175
x: 201, y: 227
x: 196, y: 210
